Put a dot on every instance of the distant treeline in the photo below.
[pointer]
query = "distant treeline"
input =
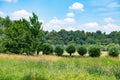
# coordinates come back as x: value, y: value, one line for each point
x: 81, y: 37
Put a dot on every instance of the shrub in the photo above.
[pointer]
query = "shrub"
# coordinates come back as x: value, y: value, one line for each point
x: 59, y: 50
x: 111, y: 45
x: 47, y: 49
x: 113, y: 51
x: 82, y: 50
x: 70, y: 49
x: 94, y: 51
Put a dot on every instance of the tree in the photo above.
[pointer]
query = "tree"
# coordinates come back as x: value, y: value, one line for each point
x: 47, y: 49
x: 36, y: 33
x: 22, y: 36
x: 70, y: 49
x: 14, y: 39
x: 114, y: 51
x: 94, y: 51
x: 59, y: 50
x: 82, y: 50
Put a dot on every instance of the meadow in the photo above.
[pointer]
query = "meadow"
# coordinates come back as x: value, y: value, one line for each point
x: 51, y: 67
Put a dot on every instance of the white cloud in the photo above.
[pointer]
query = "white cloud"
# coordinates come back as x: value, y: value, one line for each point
x: 108, y: 20
x: 20, y: 14
x: 70, y: 14
x: 41, y: 21
x: 93, y: 26
x: 69, y: 20
x: 110, y: 27
x: 50, y: 27
x: 70, y: 28
x: 56, y: 21
x: 90, y: 26
x: 2, y: 14
x: 64, y: 21
x: 77, y: 6
x: 57, y: 24
x: 10, y: 0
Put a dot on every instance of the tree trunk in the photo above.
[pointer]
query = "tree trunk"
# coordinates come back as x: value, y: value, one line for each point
x: 37, y: 52
x: 70, y: 54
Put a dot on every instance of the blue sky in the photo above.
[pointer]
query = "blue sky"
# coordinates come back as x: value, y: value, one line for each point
x: 88, y: 15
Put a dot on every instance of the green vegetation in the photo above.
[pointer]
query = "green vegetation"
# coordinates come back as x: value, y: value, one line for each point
x: 116, y: 71
x: 27, y: 37
x: 82, y: 50
x: 70, y: 68
x: 114, y: 51
x: 81, y: 37
x: 21, y: 36
x: 94, y: 51
x: 70, y: 49
x: 59, y: 50
x: 47, y: 49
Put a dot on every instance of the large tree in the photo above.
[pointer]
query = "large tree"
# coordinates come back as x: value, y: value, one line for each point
x: 24, y: 36
x: 36, y: 33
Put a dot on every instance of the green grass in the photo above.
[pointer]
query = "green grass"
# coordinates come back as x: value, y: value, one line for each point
x: 66, y: 68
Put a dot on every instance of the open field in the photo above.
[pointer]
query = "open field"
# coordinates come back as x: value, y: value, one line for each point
x: 42, y: 67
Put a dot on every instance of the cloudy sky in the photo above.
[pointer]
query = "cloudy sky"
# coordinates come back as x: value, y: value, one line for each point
x: 88, y: 15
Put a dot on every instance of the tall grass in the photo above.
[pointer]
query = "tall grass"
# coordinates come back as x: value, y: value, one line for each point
x: 69, y: 68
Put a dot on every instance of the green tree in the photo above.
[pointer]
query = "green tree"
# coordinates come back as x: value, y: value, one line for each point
x: 14, y: 39
x: 59, y: 50
x: 70, y: 49
x: 22, y: 36
x: 82, y: 50
x: 36, y: 33
x: 114, y: 51
x: 47, y: 49
x: 94, y: 51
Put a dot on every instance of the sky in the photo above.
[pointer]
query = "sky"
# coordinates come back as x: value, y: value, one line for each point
x: 87, y: 15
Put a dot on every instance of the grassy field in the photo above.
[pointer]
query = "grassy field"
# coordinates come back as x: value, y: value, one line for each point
x: 42, y: 67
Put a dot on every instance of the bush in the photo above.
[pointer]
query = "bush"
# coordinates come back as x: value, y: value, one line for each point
x: 47, y: 49
x: 70, y: 49
x: 82, y: 50
x: 94, y: 51
x: 113, y: 51
x: 111, y: 45
x: 59, y: 50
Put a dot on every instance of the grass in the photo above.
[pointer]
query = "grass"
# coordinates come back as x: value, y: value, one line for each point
x: 20, y: 67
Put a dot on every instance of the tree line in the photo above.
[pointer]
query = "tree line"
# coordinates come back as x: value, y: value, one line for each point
x: 27, y: 36
x: 81, y: 37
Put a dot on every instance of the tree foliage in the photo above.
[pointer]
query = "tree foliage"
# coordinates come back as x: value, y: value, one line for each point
x: 82, y: 50
x: 114, y: 51
x: 47, y: 49
x: 94, y: 51
x: 70, y: 49
x: 22, y: 36
x: 82, y: 37
x: 59, y: 50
